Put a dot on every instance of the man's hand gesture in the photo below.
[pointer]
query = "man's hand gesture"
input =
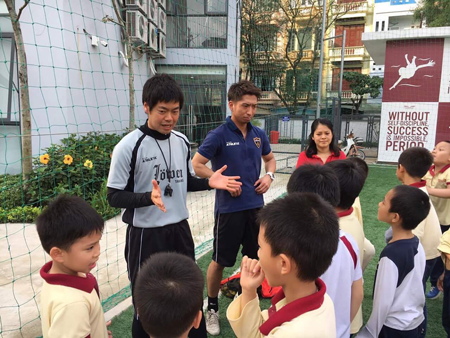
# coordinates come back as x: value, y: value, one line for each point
x: 156, y: 196
x: 229, y: 183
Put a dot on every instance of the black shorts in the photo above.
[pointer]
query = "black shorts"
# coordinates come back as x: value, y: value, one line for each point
x: 230, y: 231
x: 141, y: 243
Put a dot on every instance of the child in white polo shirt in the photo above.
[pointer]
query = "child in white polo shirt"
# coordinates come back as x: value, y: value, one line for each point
x: 296, y: 246
x: 344, y: 276
x: 70, y: 231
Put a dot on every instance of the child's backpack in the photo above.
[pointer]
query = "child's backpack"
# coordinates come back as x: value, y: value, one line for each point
x: 232, y: 285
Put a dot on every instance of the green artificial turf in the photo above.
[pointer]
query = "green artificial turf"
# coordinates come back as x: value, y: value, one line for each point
x: 380, y: 180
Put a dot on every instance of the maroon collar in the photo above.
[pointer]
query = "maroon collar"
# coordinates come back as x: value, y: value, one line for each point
x: 294, y: 309
x: 345, y: 213
x: 420, y: 184
x: 433, y: 167
x: 84, y: 284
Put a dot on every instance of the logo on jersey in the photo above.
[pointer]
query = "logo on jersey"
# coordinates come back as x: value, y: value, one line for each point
x: 257, y: 141
x: 148, y: 159
x: 232, y: 144
x: 163, y: 174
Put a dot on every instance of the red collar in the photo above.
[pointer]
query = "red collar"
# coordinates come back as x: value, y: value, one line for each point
x: 420, y: 184
x: 432, y: 168
x: 84, y: 284
x: 329, y: 158
x: 345, y: 213
x: 294, y: 309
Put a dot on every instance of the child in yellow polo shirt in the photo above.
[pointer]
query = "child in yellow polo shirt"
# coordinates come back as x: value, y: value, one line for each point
x: 444, y: 280
x: 438, y: 186
x: 296, y: 246
x: 70, y: 231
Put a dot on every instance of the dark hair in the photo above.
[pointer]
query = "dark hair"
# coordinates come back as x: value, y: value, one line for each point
x: 243, y: 87
x: 318, y: 179
x: 162, y: 88
x: 411, y: 204
x: 361, y: 164
x: 312, y: 147
x: 351, y: 181
x: 168, y: 294
x: 304, y: 227
x: 416, y: 161
x: 65, y: 220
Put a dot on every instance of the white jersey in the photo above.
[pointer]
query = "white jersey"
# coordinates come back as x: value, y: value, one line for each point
x: 142, y: 156
x: 339, y: 277
x: 398, y: 297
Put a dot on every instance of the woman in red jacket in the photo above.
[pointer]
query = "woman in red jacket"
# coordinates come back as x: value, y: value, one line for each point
x: 322, y: 147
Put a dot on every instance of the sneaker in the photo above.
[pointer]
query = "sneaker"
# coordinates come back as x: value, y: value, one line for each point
x: 433, y: 293
x: 212, y: 322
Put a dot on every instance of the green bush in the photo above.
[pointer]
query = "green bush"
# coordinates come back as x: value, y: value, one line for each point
x: 82, y: 174
x: 25, y: 214
x: 290, y: 141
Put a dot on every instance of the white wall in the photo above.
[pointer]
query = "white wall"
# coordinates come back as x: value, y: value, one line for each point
x: 74, y: 87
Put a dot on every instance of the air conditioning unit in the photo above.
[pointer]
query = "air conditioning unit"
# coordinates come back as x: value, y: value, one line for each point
x: 162, y: 20
x: 152, y: 37
x: 162, y: 44
x: 152, y: 11
x: 162, y: 4
x: 137, y: 27
x: 140, y: 5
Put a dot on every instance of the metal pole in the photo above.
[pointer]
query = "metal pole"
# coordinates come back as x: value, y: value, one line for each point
x: 319, y: 90
x: 342, y: 66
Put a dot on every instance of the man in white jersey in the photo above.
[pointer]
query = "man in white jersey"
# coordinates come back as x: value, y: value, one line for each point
x: 150, y: 157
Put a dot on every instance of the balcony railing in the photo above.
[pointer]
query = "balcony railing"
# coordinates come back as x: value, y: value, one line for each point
x: 349, y: 51
x: 269, y: 96
x: 351, y: 7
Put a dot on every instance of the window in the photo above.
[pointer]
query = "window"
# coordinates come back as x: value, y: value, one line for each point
x: 216, y: 6
x: 382, y: 26
x: 377, y: 26
x: 9, y: 83
x: 197, y: 23
x: 353, y: 35
x: 267, y: 41
x: 292, y: 41
x: 336, y: 78
x: 264, y: 80
x: 204, y: 89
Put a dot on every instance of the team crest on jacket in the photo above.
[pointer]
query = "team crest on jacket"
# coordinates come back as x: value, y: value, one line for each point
x: 257, y: 141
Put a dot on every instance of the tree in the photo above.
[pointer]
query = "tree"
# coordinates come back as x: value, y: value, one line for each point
x: 292, y: 67
x: 25, y: 116
x: 436, y: 13
x: 361, y: 84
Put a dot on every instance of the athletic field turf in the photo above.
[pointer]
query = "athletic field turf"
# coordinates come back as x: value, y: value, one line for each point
x: 380, y: 180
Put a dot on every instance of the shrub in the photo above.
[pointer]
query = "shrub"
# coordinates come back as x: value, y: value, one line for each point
x: 25, y: 214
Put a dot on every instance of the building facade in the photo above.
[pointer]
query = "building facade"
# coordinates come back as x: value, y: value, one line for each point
x: 78, y: 74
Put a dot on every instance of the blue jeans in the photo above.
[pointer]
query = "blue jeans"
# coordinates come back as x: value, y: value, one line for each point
x: 428, y: 269
x: 439, y: 267
x: 446, y: 304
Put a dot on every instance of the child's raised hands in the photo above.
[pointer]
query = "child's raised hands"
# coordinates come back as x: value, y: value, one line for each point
x: 252, y: 275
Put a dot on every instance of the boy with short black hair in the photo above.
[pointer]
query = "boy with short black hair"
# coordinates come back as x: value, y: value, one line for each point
x: 70, y: 231
x: 369, y: 248
x: 413, y: 164
x: 351, y: 182
x: 169, y: 295
x: 438, y: 186
x: 297, y: 246
x: 398, y: 280
x: 346, y: 292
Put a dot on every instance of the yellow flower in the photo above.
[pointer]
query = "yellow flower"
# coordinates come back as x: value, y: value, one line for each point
x: 44, y: 158
x: 68, y: 159
x: 88, y: 164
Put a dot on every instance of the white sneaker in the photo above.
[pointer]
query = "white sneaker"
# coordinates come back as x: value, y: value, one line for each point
x: 212, y: 322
